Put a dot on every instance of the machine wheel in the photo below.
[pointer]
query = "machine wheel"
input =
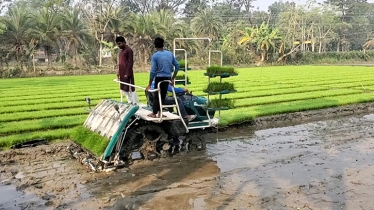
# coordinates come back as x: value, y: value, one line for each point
x: 195, y: 142
x: 149, y: 139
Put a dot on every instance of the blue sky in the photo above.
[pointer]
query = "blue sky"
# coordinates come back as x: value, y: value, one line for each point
x: 264, y: 4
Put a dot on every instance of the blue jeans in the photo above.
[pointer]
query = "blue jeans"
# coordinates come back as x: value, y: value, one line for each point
x: 170, y: 101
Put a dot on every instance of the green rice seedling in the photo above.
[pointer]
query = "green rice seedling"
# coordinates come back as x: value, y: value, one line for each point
x: 224, y: 103
x: 217, y: 87
x: 182, y: 63
x: 89, y: 140
x: 181, y: 76
x: 261, y: 91
x: 220, y: 70
x: 7, y: 128
x: 22, y: 116
x: 7, y: 141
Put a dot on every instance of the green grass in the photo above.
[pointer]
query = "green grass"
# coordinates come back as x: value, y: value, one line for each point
x: 54, y: 107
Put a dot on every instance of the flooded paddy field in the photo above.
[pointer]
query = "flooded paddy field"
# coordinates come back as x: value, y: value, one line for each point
x: 323, y: 164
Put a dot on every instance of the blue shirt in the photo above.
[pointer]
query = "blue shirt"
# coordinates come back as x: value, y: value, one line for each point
x: 176, y: 90
x: 162, y: 64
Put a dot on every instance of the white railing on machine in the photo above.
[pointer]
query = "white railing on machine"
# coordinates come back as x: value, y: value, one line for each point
x: 159, y: 96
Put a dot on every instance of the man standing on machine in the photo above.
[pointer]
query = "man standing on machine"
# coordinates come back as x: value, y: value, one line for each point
x: 161, y: 69
x: 125, y: 70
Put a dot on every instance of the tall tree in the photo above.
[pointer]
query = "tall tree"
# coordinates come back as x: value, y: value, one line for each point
x: 169, y: 26
x: 278, y: 8
x: 140, y: 30
x: 206, y: 23
x: 264, y: 38
x: 99, y: 14
x: 193, y: 7
x: 169, y: 4
x: 130, y: 6
x: 75, y: 34
x: 18, y: 31
x: 47, y: 29
x: 248, y: 5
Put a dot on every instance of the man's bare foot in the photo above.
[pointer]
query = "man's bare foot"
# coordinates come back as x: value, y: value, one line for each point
x: 159, y: 116
x: 151, y: 115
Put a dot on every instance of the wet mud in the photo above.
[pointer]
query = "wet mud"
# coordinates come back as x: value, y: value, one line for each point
x: 324, y: 164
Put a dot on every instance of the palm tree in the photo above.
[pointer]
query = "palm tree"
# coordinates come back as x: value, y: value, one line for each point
x: 18, y: 31
x: 115, y: 24
x: 140, y: 30
x: 207, y: 24
x: 75, y: 34
x: 46, y: 29
x: 168, y: 27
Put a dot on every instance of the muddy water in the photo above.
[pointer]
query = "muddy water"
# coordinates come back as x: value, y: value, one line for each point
x: 12, y: 199
x: 320, y: 165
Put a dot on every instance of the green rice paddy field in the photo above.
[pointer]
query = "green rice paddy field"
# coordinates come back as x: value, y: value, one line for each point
x: 52, y: 107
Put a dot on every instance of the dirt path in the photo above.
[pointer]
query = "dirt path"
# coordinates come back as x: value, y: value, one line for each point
x: 318, y: 165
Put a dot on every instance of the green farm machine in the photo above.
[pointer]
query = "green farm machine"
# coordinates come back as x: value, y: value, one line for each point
x: 133, y: 135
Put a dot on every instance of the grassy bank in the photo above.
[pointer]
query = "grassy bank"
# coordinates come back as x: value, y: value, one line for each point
x: 53, y: 107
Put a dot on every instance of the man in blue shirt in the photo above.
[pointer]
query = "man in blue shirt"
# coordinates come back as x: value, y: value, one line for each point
x: 161, y: 69
x: 170, y: 100
x: 176, y: 89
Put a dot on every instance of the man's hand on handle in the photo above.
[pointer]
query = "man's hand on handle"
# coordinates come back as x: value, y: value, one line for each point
x: 118, y: 76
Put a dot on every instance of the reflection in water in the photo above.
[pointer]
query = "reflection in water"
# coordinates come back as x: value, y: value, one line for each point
x: 15, y: 200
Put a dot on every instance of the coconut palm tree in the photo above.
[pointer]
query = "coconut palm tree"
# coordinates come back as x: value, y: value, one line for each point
x: 207, y: 24
x: 17, y: 31
x: 168, y: 27
x: 140, y: 30
x: 47, y: 30
x: 75, y: 34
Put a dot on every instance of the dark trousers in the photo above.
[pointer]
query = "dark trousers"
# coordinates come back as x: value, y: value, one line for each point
x: 171, y: 101
x: 163, y: 89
